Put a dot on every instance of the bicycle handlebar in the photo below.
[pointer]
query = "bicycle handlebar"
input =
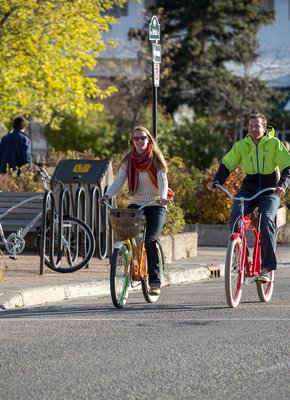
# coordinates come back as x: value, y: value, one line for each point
x: 243, y: 198
x: 149, y: 203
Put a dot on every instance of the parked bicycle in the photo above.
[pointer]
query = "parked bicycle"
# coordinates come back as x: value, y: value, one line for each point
x: 73, y: 246
x: 239, y: 267
x: 129, y: 261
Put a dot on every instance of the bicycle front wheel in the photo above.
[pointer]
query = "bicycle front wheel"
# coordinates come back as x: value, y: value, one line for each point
x: 77, y: 245
x: 265, y: 290
x: 234, y: 273
x: 145, y: 282
x: 119, y: 280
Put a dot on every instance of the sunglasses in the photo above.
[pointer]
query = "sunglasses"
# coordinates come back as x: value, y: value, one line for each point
x: 137, y: 138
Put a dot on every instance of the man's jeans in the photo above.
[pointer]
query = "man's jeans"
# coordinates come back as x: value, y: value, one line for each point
x: 155, y: 220
x: 268, y: 204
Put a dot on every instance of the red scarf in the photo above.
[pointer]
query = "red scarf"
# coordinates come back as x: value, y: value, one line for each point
x: 142, y: 163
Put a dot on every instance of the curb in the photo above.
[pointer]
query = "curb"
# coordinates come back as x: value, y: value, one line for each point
x: 50, y: 294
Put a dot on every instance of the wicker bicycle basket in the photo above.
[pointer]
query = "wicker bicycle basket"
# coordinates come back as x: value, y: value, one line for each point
x: 125, y: 222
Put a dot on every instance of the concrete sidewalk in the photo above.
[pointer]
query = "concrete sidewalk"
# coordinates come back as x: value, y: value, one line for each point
x: 24, y: 287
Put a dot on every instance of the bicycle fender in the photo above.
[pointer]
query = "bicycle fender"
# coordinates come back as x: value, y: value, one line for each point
x: 118, y: 244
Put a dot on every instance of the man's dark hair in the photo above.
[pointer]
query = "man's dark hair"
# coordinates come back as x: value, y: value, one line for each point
x: 20, y: 123
x: 258, y: 115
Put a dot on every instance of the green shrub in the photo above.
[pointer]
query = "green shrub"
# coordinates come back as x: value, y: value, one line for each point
x: 214, y: 206
x: 184, y: 182
x: 25, y: 182
x: 175, y: 219
x: 95, y: 132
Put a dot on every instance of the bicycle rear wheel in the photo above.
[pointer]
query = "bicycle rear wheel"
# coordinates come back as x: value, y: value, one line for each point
x: 77, y: 245
x: 119, y: 280
x: 265, y: 290
x: 234, y: 273
x: 145, y: 282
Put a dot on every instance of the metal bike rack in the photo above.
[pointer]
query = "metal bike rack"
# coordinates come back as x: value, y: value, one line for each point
x: 87, y: 180
x: 49, y: 206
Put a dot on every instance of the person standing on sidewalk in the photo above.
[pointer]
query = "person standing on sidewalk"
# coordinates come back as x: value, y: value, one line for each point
x: 15, y: 147
x: 145, y: 169
x: 266, y: 163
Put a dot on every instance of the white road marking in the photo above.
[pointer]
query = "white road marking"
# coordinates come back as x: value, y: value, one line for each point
x: 129, y: 319
x: 275, y: 367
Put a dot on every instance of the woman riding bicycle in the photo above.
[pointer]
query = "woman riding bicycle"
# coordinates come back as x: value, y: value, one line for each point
x: 146, y: 171
x: 262, y: 157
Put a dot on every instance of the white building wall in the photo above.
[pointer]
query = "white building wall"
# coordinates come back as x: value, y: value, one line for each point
x: 119, y: 32
x: 274, y: 40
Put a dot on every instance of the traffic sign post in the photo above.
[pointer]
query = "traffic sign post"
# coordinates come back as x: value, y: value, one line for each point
x: 154, y: 35
x: 156, y: 75
x: 154, y: 29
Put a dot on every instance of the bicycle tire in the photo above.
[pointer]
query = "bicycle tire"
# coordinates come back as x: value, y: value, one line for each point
x: 145, y: 282
x: 234, y: 273
x: 265, y: 290
x: 2, y: 267
x: 78, y: 249
x: 119, y: 281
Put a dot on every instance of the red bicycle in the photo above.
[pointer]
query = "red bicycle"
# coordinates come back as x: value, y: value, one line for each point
x: 239, y: 267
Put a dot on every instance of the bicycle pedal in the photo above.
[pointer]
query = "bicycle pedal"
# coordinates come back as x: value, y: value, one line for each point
x: 13, y: 257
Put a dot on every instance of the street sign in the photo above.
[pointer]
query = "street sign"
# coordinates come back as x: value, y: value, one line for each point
x: 154, y: 29
x: 156, y: 53
x: 156, y: 72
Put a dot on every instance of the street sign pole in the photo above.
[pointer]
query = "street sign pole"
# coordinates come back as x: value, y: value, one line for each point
x: 154, y: 104
x: 154, y: 37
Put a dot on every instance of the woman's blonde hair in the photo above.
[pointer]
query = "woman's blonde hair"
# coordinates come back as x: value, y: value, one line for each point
x: 157, y: 152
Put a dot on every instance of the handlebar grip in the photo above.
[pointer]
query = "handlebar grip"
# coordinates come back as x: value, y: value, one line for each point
x: 39, y: 164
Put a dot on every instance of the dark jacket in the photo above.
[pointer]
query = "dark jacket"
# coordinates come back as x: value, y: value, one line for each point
x: 15, y: 150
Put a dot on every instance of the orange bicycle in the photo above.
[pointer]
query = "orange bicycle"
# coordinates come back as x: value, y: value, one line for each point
x: 129, y: 260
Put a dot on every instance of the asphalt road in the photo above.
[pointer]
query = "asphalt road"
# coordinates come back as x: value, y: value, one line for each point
x: 189, y: 345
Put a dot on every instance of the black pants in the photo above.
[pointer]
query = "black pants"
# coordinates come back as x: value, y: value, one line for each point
x: 155, y: 220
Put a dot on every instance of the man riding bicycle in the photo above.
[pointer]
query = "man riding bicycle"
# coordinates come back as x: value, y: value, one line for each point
x: 266, y: 163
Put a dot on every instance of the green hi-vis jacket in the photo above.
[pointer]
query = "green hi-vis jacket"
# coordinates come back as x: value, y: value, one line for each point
x: 262, y: 164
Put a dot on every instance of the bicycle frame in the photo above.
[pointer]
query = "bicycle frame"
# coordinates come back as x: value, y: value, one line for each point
x: 139, y: 270
x: 244, y: 223
x: 23, y: 232
x: 253, y: 268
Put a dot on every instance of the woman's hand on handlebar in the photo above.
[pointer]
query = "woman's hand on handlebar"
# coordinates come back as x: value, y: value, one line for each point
x: 163, y: 202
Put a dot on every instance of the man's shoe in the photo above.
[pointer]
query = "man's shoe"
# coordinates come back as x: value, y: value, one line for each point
x: 154, y: 291
x: 264, y: 277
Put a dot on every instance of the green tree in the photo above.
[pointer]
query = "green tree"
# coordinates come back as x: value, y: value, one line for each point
x: 199, y: 39
x: 197, y: 142
x: 46, y: 48
x: 96, y: 132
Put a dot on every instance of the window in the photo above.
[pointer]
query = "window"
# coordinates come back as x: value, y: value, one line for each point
x: 117, y: 11
x: 149, y: 3
x: 269, y: 5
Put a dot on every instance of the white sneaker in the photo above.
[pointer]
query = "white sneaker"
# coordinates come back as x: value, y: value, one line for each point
x: 264, y: 277
x: 154, y: 291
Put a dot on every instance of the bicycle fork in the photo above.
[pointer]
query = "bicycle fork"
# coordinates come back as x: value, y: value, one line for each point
x: 139, y: 268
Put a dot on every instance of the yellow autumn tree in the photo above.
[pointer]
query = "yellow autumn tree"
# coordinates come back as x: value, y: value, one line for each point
x: 46, y: 48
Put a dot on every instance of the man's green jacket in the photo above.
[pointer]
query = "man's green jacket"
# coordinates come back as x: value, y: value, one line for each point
x: 266, y: 164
